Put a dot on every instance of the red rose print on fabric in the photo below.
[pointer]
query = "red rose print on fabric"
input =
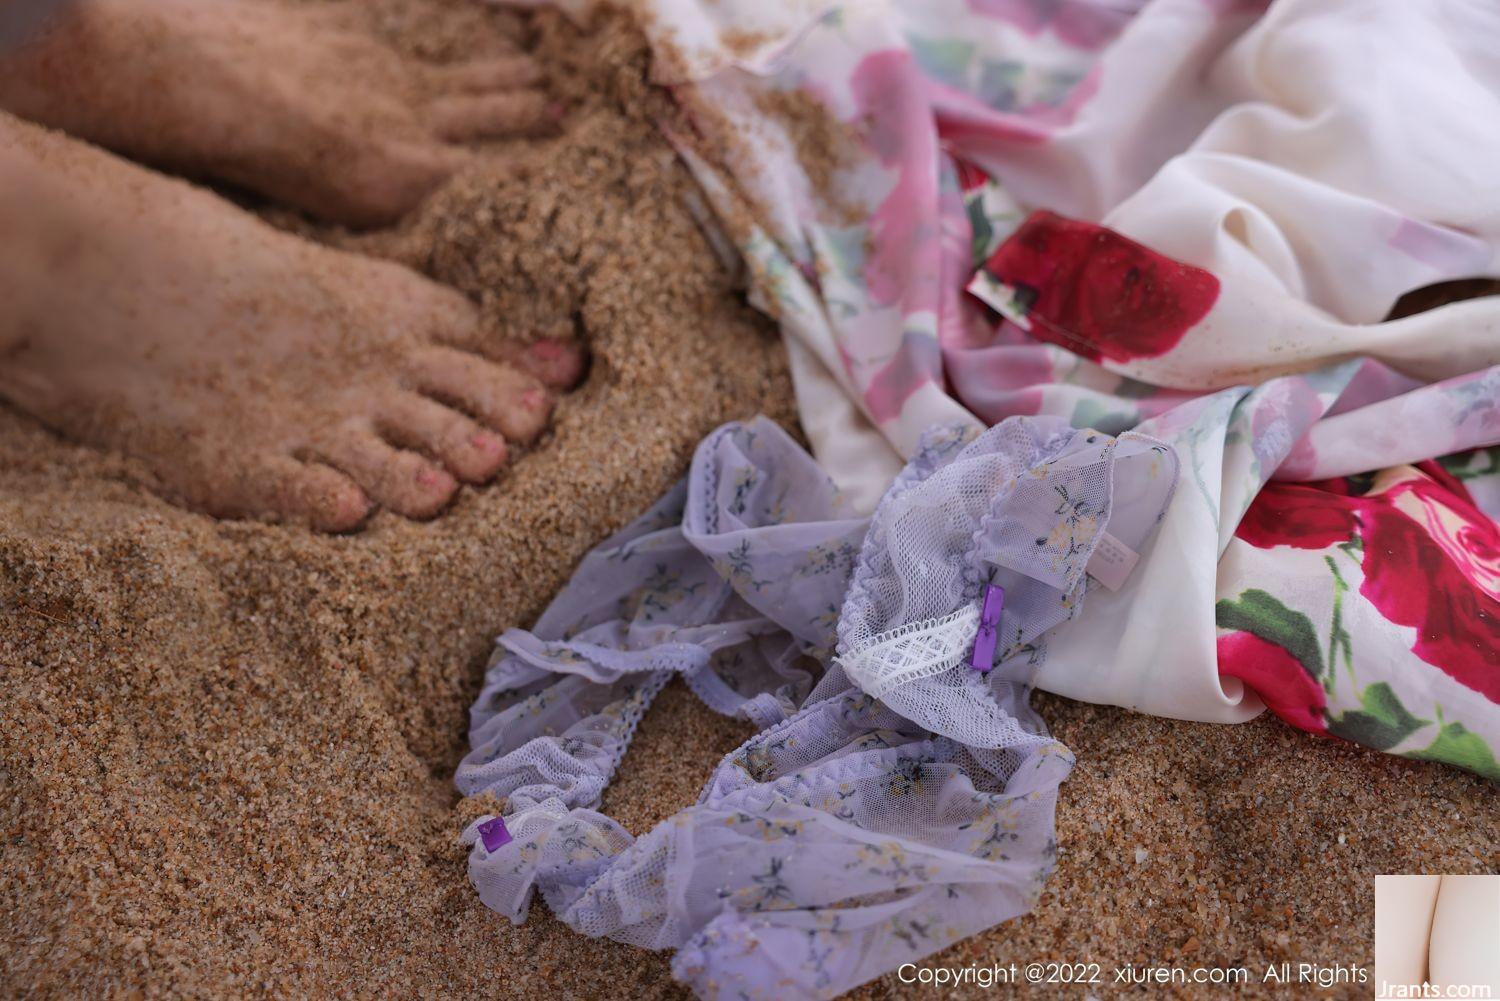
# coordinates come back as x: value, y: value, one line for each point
x: 1274, y: 650
x: 1430, y: 556
x: 1432, y: 561
x: 1276, y: 676
x: 1098, y: 293
x: 1301, y: 515
x: 970, y: 177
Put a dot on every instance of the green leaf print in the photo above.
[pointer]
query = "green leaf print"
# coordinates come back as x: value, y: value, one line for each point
x: 979, y: 225
x: 1339, y: 640
x: 1479, y: 463
x: 1380, y: 722
x: 845, y: 250
x: 1090, y: 413
x: 1261, y: 613
x: 1055, y: 86
x: 944, y: 59
x: 1000, y: 84
x: 1457, y: 746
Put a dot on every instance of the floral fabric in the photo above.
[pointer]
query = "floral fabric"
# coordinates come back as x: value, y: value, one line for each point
x: 1385, y: 620
x: 1181, y: 217
x: 851, y: 834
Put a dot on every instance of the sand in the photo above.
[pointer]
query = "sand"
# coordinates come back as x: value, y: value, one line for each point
x: 226, y: 748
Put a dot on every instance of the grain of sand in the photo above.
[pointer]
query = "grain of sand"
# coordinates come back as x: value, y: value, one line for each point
x: 227, y: 748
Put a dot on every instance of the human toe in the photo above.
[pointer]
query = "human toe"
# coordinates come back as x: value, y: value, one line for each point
x: 470, y: 117
x: 481, y: 75
x: 470, y: 452
x: 403, y: 481
x: 278, y: 486
x: 556, y: 364
x: 505, y: 398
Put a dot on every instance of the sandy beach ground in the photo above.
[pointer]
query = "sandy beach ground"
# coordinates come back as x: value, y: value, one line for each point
x: 226, y: 748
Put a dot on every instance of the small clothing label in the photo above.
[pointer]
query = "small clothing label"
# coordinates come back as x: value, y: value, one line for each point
x: 1112, y: 562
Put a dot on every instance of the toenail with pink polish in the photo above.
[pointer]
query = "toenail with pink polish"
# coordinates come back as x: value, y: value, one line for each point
x: 547, y: 350
x: 486, y: 442
x: 533, y: 399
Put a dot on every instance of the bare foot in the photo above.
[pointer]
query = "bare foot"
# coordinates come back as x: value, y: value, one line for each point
x: 258, y: 374
x: 290, y: 102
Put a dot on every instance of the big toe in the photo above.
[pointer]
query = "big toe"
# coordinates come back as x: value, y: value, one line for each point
x: 556, y: 364
x: 377, y: 181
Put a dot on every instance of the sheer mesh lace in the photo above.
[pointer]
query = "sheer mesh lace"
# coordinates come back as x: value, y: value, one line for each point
x: 855, y: 831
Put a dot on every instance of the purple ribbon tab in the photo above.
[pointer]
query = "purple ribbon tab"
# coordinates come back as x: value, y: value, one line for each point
x: 983, y: 658
x: 494, y: 834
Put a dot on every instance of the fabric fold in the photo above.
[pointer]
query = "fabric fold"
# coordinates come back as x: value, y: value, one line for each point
x: 846, y: 836
x: 1023, y: 507
x: 1194, y: 216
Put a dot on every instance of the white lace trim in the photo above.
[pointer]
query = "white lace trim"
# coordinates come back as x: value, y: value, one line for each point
x: 914, y: 651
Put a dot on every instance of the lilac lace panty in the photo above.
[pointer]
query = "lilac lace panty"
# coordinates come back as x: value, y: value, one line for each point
x: 852, y: 834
